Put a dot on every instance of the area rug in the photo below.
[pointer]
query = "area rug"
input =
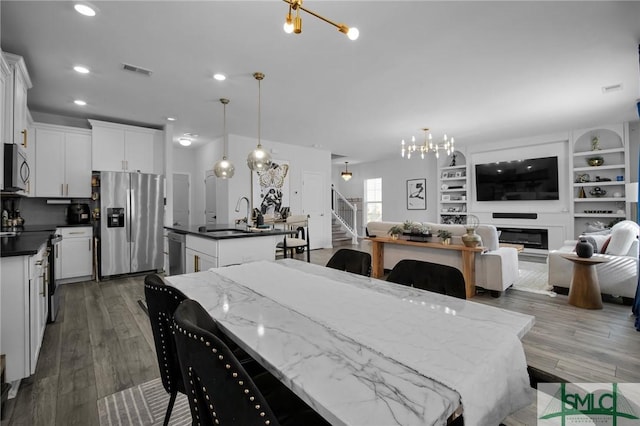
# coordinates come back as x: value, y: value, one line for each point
x: 142, y: 405
x: 533, y: 278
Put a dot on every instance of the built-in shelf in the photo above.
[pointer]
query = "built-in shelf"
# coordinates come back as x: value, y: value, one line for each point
x: 607, y: 183
x: 614, y: 150
x: 452, y: 176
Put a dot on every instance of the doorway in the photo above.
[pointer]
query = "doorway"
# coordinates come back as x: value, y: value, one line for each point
x: 210, y: 198
x: 181, y: 199
x: 314, y: 201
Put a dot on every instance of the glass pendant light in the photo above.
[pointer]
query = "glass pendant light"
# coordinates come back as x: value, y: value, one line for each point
x: 224, y: 168
x: 258, y: 159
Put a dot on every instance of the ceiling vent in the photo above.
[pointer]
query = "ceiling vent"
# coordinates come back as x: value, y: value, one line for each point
x: 133, y: 68
x: 612, y: 88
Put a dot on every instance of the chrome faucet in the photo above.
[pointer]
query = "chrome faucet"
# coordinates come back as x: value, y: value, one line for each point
x: 248, y: 208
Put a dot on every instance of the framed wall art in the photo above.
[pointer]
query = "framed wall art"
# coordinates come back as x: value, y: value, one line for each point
x: 270, y: 188
x: 416, y: 194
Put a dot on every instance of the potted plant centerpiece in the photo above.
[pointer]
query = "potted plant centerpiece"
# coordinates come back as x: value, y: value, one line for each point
x: 419, y: 232
x: 445, y: 236
x: 395, y: 230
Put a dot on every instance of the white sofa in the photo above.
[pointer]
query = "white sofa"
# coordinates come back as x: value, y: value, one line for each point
x: 619, y: 276
x: 496, y: 268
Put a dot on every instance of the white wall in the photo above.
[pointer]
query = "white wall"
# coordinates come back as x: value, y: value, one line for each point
x: 394, y: 173
x: 301, y: 159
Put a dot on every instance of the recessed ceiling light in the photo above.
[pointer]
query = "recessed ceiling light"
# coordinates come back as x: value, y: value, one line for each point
x: 81, y: 69
x: 171, y: 119
x: 184, y: 141
x: 84, y: 9
x: 79, y: 102
x: 220, y: 77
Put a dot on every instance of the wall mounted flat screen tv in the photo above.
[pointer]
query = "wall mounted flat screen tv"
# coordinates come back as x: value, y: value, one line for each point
x: 531, y: 179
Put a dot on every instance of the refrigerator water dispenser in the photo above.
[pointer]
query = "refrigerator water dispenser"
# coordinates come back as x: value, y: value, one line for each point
x: 115, y: 217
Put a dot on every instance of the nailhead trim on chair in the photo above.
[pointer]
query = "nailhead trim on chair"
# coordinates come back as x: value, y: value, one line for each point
x: 228, y: 367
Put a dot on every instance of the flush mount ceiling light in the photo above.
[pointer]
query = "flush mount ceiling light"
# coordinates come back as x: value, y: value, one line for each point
x: 428, y: 145
x: 224, y: 168
x: 346, y: 175
x: 85, y: 9
x: 81, y: 69
x: 259, y: 159
x: 171, y: 119
x: 294, y: 25
x: 79, y: 102
x: 184, y: 141
x: 220, y: 77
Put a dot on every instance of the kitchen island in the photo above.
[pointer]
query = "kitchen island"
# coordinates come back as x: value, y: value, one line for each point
x: 213, y: 246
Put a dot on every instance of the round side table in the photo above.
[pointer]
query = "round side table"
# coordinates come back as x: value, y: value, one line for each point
x: 585, y: 288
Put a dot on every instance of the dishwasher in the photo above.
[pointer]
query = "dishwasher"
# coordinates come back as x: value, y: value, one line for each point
x: 176, y: 253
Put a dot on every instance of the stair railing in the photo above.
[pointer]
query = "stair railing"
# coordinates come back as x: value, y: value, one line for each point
x: 345, y: 213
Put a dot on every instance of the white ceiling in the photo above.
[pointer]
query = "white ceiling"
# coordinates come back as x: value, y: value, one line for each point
x: 480, y: 71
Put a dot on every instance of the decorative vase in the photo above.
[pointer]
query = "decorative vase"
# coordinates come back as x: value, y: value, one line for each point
x: 446, y: 241
x: 394, y: 236
x: 471, y: 239
x: 584, y: 248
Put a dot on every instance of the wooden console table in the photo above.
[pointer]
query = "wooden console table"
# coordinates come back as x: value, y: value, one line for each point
x: 468, y: 258
x: 585, y: 288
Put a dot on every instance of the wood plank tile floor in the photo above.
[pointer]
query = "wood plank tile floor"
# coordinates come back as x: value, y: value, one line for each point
x: 102, y: 343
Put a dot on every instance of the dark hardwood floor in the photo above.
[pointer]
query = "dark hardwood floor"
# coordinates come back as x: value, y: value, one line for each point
x: 102, y: 343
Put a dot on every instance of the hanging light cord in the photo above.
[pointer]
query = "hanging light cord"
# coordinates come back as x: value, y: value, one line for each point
x: 224, y: 127
x: 259, y: 118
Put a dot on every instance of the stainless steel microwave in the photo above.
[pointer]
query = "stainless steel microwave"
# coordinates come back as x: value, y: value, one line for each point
x: 16, y: 168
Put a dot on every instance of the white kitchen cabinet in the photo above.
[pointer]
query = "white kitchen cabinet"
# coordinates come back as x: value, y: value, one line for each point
x: 5, y: 77
x: 23, y: 297
x: 16, y: 108
x: 197, y: 261
x: 119, y: 147
x: 63, y: 161
x: 203, y: 253
x: 75, y: 254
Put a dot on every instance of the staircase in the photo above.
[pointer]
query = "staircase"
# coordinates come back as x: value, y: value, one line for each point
x: 338, y: 236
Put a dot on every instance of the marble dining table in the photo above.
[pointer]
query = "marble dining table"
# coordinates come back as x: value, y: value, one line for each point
x: 362, y: 351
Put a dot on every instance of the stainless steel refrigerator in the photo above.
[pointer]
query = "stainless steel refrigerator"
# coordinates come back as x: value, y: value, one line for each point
x: 131, y: 224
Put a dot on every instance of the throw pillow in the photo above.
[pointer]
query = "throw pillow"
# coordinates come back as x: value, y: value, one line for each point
x: 605, y: 245
x: 621, y: 239
x: 596, y: 240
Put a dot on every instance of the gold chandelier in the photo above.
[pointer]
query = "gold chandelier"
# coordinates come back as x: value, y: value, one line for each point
x: 428, y: 146
x: 294, y: 25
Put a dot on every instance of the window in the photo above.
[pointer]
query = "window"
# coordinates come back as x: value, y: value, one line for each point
x: 373, y: 199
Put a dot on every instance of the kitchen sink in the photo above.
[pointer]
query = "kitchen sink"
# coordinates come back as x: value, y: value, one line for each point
x: 225, y: 232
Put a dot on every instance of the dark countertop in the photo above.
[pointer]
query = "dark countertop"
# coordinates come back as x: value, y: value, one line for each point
x: 201, y: 231
x: 24, y: 243
x: 28, y: 239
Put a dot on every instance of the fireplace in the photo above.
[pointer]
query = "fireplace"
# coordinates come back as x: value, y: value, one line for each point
x: 529, y: 237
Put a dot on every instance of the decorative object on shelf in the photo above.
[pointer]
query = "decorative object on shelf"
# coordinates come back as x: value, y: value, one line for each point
x: 584, y: 248
x: 444, y: 187
x: 446, y: 197
x: 471, y: 239
x: 599, y: 179
x: 598, y: 192
x: 453, y: 160
x: 346, y: 175
x: 595, y: 143
x: 595, y: 161
x: 445, y: 236
x: 294, y: 25
x: 428, y: 145
x: 583, y: 178
x: 259, y: 159
x: 224, y: 168
x: 416, y: 194
x: 581, y: 193
x: 617, y: 194
x: 619, y: 178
